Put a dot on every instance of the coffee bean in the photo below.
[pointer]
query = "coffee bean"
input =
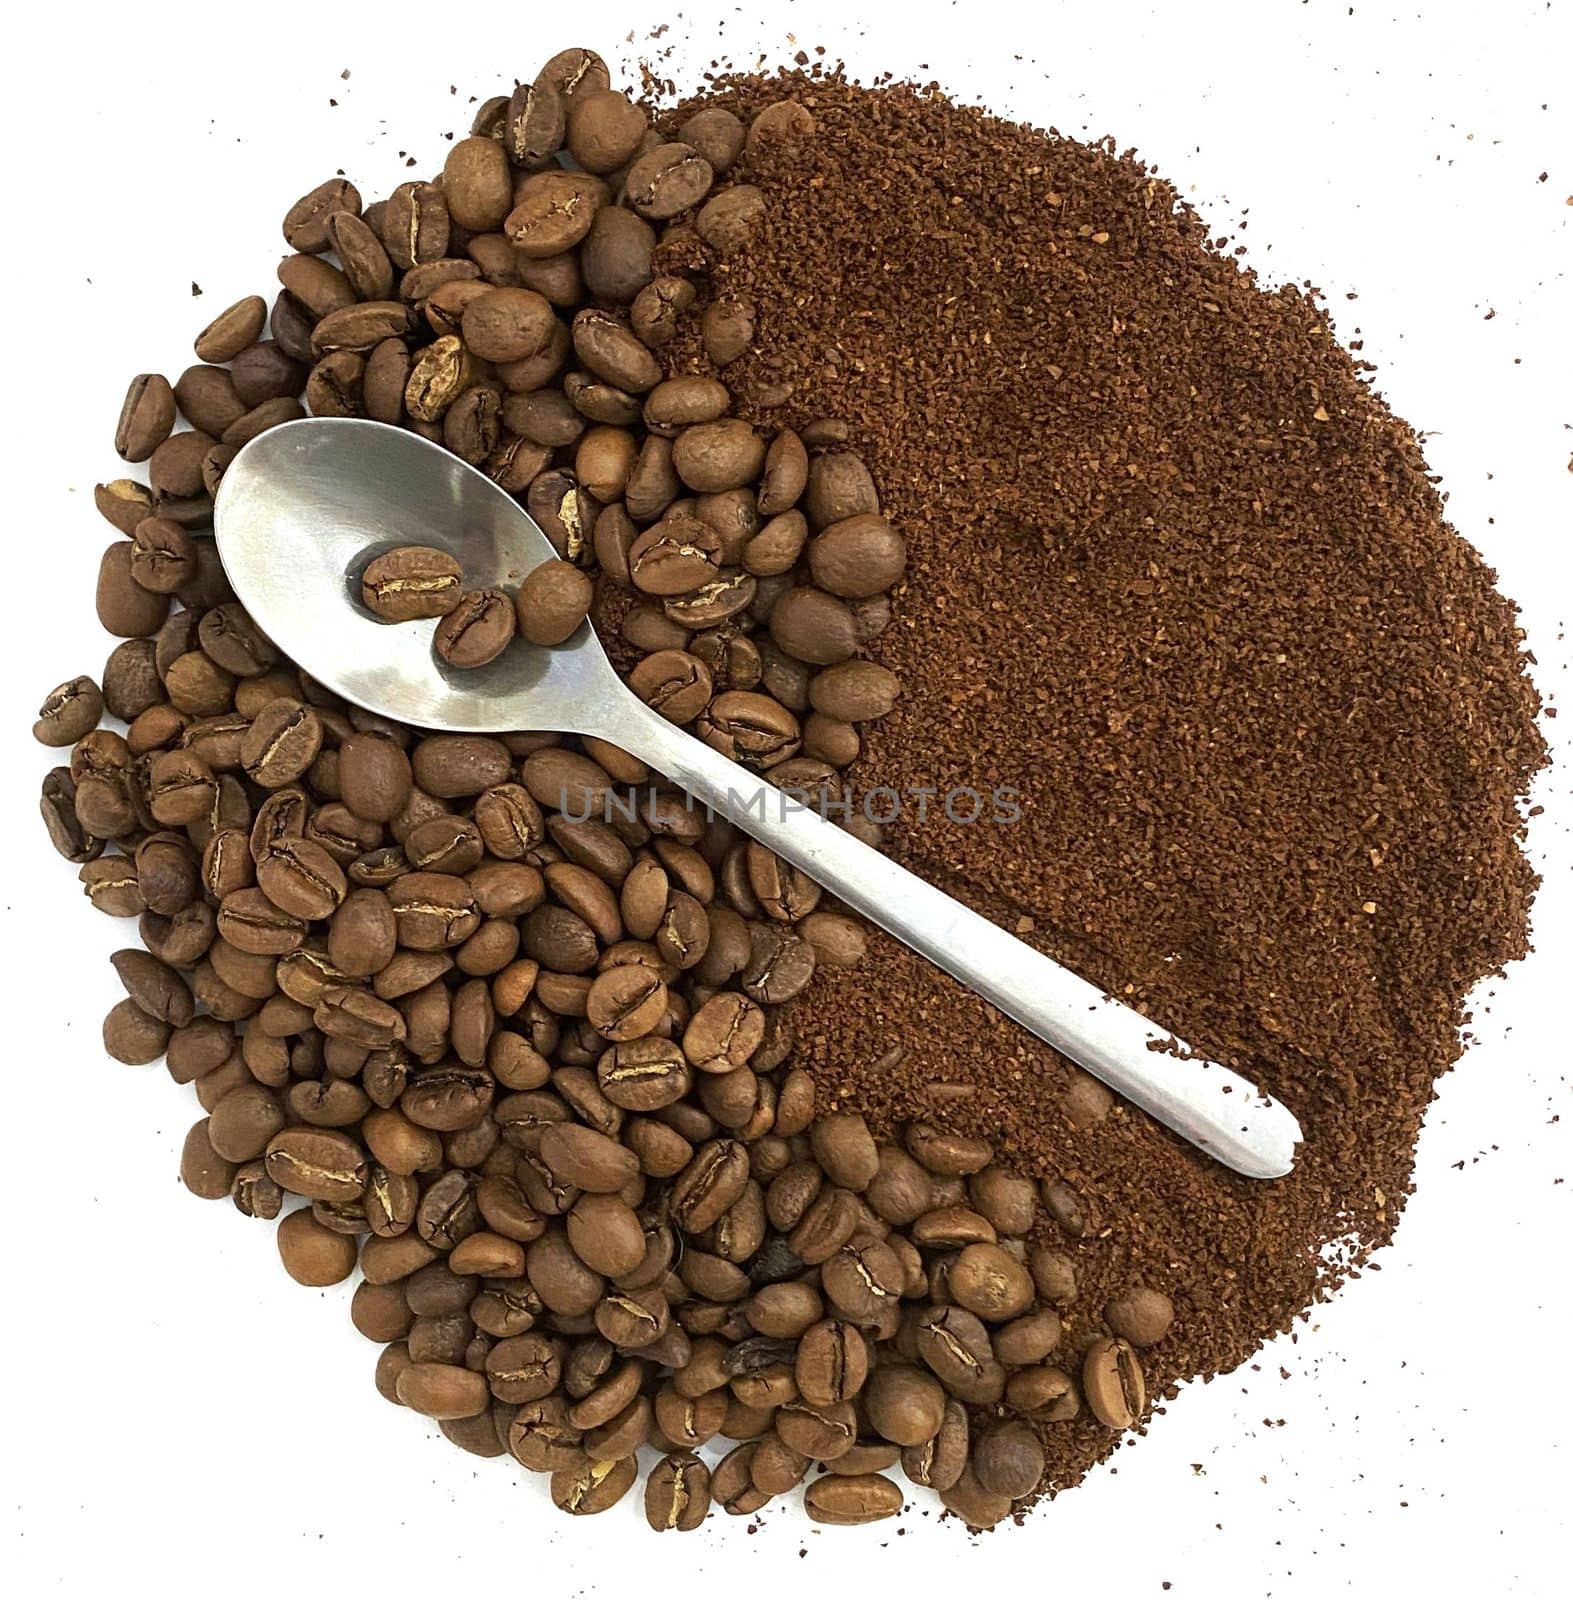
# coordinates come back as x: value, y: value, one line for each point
x: 990, y: 1283
x: 125, y: 608
x: 477, y: 629
x: 1140, y: 1316
x: 832, y: 1362
x: 676, y: 684
x: 132, y: 1036
x: 281, y: 743
x: 321, y: 1164
x: 208, y: 401
x: 305, y: 224
x: 314, y: 1255
x: 68, y: 713
x: 477, y: 185
x: 228, y: 635
x: 948, y: 1154
x: 1045, y: 1392
x: 626, y: 1003
x: 851, y: 1501
x: 939, y: 1460
x: 233, y: 329
x: 156, y: 987
x: 975, y: 1505
x: 146, y: 417
x: 586, y: 1159
x: 411, y: 582
x: 714, y: 456
x: 667, y: 180
x: 1008, y: 1460
x: 954, y: 1345
x: 552, y: 601
x: 1111, y: 1375
x: 442, y: 1390
x: 553, y: 211
x: 451, y: 766
x: 593, y: 1487
x: 857, y: 557
x: 677, y: 1493
x: 203, y: 1171
x: 814, y: 626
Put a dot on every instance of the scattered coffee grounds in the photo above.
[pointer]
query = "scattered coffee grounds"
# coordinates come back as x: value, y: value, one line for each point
x: 1180, y: 578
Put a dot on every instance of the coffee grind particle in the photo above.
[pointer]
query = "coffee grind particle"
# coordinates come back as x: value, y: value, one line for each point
x: 1181, y: 578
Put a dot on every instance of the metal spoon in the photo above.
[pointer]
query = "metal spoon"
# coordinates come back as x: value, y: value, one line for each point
x: 304, y: 507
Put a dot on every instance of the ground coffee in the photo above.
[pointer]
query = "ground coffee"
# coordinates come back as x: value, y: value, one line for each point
x: 1178, y: 575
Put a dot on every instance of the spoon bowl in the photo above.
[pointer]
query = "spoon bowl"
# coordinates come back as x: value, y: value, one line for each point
x: 303, y: 510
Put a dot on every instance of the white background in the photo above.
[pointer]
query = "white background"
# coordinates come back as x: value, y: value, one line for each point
x: 179, y: 1415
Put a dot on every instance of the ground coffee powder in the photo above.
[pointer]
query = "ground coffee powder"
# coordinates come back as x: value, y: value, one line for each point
x: 1179, y: 576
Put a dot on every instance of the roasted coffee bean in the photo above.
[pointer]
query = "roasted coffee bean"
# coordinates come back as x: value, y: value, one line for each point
x: 411, y: 582
x: 301, y: 878
x: 1008, y: 1460
x: 1140, y: 1316
x: 676, y: 684
x: 727, y: 330
x: 477, y: 629
x: 593, y: 1487
x: 233, y: 329
x: 617, y: 256
x: 716, y: 134
x: 157, y: 988
x: 677, y: 1493
x: 976, y: 1506
x: 477, y: 184
x: 442, y: 1390
x: 814, y: 626
x: 552, y: 601
x: 857, y: 557
x: 1111, y: 1376
x: 612, y: 351
x: 729, y: 221
x: 667, y: 180
x: 69, y: 712
x: 203, y: 1171
x: 321, y: 1164
x: 132, y: 1036
x: 553, y: 211
x: 832, y: 1363
x: 146, y: 417
x: 714, y: 456
x: 281, y: 744
x: 125, y: 608
x: 839, y: 487
x: 990, y: 1282
x: 948, y: 1154
x: 955, y: 1346
x: 849, y: 1501
x: 163, y: 557
x: 586, y: 1159
x: 314, y: 1255
x: 531, y: 125
x: 938, y: 1461
x: 306, y: 222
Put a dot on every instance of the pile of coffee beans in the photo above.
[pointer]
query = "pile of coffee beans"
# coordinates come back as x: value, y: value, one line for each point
x: 504, y: 1024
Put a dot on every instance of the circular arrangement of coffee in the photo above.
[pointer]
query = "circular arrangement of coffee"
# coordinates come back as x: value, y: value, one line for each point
x: 901, y: 454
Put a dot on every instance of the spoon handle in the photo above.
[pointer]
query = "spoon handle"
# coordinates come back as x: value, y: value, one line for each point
x: 1210, y: 1105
